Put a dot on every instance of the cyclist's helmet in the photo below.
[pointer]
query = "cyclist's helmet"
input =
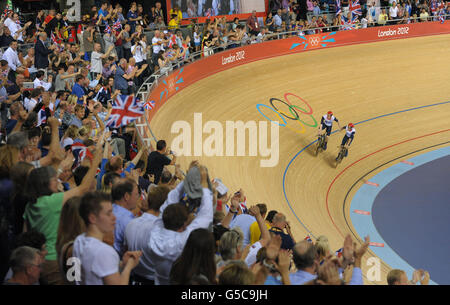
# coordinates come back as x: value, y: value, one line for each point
x: 350, y: 125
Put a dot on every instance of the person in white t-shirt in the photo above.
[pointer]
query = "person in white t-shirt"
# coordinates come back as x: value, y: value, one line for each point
x: 97, y: 57
x: 157, y: 45
x: 393, y: 11
x: 262, y: 35
x: 33, y: 100
x: 15, y: 28
x: 39, y: 81
x: 100, y: 264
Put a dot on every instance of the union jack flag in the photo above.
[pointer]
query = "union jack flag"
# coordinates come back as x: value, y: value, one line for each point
x: 117, y: 25
x: 8, y: 9
x: 338, y: 7
x: 339, y: 253
x: 308, y: 239
x: 108, y: 29
x: 41, y: 116
x: 56, y: 41
x: 80, y: 151
x: 346, y: 24
x: 434, y: 6
x: 149, y: 105
x: 126, y: 109
x: 355, y: 8
x: 441, y: 16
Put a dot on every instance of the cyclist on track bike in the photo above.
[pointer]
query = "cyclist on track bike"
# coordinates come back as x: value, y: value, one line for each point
x: 348, y: 137
x: 326, y: 123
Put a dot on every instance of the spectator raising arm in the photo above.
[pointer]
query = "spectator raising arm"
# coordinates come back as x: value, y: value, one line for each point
x: 88, y: 179
x: 232, y: 211
x: 265, y: 235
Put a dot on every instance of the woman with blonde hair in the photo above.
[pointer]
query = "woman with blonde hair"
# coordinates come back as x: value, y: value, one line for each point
x: 70, y: 134
x: 66, y: 110
x: 323, y: 248
x: 84, y: 132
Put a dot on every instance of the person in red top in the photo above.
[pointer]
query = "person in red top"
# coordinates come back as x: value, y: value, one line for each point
x: 252, y: 23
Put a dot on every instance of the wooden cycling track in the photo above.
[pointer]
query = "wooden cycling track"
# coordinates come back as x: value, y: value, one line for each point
x: 376, y: 81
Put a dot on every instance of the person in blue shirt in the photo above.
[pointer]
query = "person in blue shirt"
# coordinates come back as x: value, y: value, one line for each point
x: 125, y: 196
x: 132, y: 17
x: 115, y: 164
x: 78, y: 89
x: 103, y: 13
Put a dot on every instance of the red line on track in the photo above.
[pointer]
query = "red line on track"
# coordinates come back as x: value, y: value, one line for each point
x: 371, y: 154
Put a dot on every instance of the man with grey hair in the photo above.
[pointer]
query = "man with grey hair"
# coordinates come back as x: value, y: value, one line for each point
x: 41, y: 52
x: 26, y: 266
x: 19, y: 140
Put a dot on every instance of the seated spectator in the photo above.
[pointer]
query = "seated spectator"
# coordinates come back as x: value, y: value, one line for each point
x: 100, y: 263
x: 383, y: 17
x: 12, y: 57
x: 26, y: 264
x: 424, y: 15
x: 174, y: 22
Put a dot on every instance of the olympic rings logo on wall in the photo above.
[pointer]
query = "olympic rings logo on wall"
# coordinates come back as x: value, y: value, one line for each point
x: 293, y: 115
x: 314, y: 41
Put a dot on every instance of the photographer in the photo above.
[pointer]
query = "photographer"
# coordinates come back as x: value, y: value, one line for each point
x: 158, y: 159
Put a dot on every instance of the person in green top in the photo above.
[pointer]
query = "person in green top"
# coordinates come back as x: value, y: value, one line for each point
x: 45, y: 203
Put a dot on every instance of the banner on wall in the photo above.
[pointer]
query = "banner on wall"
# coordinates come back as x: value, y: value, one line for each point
x: 209, y: 8
x: 188, y: 75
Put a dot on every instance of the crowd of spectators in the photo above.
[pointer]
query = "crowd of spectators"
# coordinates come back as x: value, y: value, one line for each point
x: 72, y: 187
